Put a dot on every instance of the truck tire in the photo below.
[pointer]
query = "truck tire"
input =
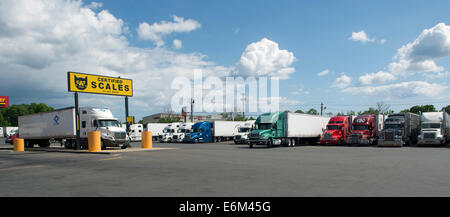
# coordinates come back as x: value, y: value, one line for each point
x: 44, y: 143
x: 196, y: 141
x: 103, y: 145
x: 250, y: 145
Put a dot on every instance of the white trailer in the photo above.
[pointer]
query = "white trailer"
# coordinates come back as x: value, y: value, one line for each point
x: 225, y: 130
x: 434, y: 128
x: 61, y: 125
x: 156, y: 129
x: 305, y: 125
x: 135, y: 132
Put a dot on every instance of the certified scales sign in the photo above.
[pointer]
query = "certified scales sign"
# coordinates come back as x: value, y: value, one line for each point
x: 86, y: 83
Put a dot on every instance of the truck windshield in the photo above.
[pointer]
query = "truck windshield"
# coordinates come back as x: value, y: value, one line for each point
x: 332, y: 127
x: 431, y: 125
x: 360, y: 127
x: 194, y: 130
x: 166, y: 131
x: 392, y: 126
x: 108, y: 123
x: 244, y: 130
x: 264, y: 126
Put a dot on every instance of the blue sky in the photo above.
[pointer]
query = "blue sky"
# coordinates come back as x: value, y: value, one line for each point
x: 316, y: 32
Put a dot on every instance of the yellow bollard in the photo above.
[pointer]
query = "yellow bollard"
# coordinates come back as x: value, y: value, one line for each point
x: 94, y: 141
x: 147, y: 140
x: 19, y: 145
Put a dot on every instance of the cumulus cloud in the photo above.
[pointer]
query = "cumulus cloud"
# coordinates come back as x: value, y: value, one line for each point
x: 156, y: 31
x: 376, y: 78
x: 323, y: 73
x: 361, y: 36
x: 95, y: 5
x: 343, y: 81
x: 400, y: 90
x: 264, y: 58
x: 419, y: 56
x: 37, y: 51
x: 177, y: 44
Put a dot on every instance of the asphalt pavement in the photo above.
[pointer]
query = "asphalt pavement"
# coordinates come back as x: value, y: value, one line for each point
x: 226, y: 169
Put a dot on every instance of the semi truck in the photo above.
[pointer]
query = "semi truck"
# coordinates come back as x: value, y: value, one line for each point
x: 61, y: 125
x: 168, y: 131
x: 286, y: 128
x: 215, y: 131
x: 434, y: 128
x: 181, y: 132
x: 8, y: 131
x: 241, y: 136
x: 156, y: 129
x: 366, y: 129
x: 338, y: 131
x: 400, y: 129
x: 135, y: 132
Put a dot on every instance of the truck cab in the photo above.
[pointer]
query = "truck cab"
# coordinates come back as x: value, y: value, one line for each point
x: 268, y: 127
x: 178, y: 136
x: 337, y: 132
x: 100, y: 119
x: 400, y: 129
x: 434, y: 128
x: 200, y: 132
x: 364, y: 130
x: 169, y: 130
x: 135, y: 133
x: 243, y: 131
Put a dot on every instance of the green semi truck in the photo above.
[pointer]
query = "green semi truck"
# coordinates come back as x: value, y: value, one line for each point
x: 286, y: 128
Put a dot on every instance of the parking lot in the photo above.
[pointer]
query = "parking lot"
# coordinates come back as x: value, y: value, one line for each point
x: 226, y: 169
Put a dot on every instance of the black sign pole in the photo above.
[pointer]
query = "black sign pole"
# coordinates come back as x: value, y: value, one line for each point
x: 126, y: 113
x: 77, y: 115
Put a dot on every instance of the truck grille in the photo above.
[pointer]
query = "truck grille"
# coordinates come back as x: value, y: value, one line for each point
x: 237, y: 137
x: 355, y: 136
x: 187, y: 137
x: 120, y: 135
x: 429, y: 135
x: 254, y: 135
x: 390, y: 136
x: 327, y: 136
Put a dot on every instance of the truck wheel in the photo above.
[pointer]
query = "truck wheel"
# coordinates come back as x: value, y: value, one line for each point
x: 196, y: 141
x: 103, y: 145
x: 250, y: 145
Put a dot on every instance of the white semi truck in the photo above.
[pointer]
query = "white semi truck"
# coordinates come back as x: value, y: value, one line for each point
x: 61, y: 125
x: 434, y: 128
x: 169, y: 130
x: 241, y: 136
x: 178, y: 136
x: 135, y: 132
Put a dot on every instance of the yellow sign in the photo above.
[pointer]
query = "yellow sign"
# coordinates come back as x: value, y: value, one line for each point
x: 130, y: 119
x: 86, y: 83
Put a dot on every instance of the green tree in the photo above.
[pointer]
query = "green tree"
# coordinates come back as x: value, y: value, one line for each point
x: 422, y: 108
x: 446, y: 109
x: 312, y: 112
x: 9, y: 116
x: 300, y: 111
x: 371, y: 111
x: 169, y: 120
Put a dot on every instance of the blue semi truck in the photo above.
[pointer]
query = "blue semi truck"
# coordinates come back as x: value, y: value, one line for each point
x: 215, y: 131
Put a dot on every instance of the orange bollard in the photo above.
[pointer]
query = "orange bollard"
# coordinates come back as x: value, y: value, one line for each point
x: 19, y: 145
x: 147, y: 140
x: 94, y: 141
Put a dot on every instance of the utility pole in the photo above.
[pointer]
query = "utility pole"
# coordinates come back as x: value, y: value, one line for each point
x: 322, y: 108
x: 192, y: 110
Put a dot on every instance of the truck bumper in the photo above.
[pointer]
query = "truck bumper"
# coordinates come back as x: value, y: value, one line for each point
x: 390, y: 143
x: 331, y: 142
x: 241, y: 141
x: 116, y: 143
x: 429, y: 142
x: 258, y: 142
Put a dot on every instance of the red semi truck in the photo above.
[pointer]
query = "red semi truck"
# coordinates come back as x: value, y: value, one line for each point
x: 338, y: 131
x: 366, y: 129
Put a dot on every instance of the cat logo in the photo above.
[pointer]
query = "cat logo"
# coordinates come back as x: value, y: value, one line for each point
x: 81, y: 83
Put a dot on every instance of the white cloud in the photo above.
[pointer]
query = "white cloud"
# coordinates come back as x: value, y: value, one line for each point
x: 264, y: 58
x: 156, y: 31
x: 361, y: 36
x: 382, y: 41
x: 95, y: 5
x: 300, y: 91
x: 177, y: 44
x: 419, y: 56
x: 323, y: 73
x: 375, y: 78
x: 37, y: 51
x: 400, y: 90
x: 343, y: 81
